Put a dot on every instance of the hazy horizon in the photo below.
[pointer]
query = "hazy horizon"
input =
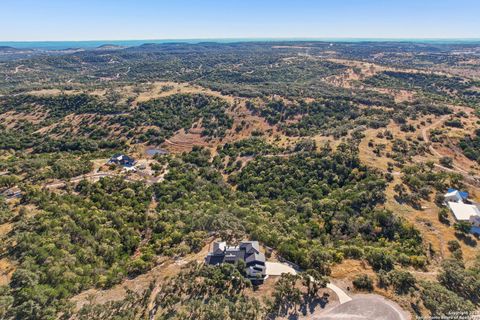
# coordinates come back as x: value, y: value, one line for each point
x: 109, y: 20
x: 88, y: 44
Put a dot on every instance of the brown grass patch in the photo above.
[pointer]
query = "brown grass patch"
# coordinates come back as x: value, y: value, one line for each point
x: 7, y: 268
x: 349, y: 269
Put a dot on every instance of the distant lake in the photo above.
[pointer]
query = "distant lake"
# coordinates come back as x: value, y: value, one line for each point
x: 62, y: 45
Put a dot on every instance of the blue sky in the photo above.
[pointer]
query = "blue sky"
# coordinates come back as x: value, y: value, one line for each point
x: 32, y: 20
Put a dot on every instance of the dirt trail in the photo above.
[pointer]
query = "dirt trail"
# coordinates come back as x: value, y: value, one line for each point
x: 18, y: 68
x: 90, y: 176
x: 98, y: 175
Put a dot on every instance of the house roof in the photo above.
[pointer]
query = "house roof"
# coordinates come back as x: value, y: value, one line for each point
x: 454, y: 192
x: 255, y: 257
x: 122, y: 159
x: 118, y: 156
x: 214, y: 259
x: 249, y: 245
x: 219, y: 246
x: 248, y: 251
x: 234, y: 255
x: 462, y: 211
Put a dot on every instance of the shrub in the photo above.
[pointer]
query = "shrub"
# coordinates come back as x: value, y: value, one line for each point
x: 443, y: 216
x: 352, y: 252
x: 379, y: 259
x: 401, y: 280
x: 363, y: 282
x: 453, y: 245
x: 446, y: 162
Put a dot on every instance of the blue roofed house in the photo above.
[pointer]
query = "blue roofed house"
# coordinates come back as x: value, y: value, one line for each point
x: 247, y: 251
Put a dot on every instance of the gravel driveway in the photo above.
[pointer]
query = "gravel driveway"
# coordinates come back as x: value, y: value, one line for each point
x: 277, y: 268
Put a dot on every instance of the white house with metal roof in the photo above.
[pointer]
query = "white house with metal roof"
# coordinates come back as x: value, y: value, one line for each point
x: 462, y: 209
